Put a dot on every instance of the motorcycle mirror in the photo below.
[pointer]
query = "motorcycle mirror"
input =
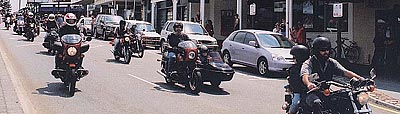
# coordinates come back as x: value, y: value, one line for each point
x: 372, y: 73
x: 88, y: 38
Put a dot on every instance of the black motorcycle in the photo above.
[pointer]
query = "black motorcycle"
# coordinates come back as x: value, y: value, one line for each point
x: 50, y: 40
x: 71, y: 49
x: 183, y: 68
x: 30, y: 34
x: 129, y: 45
x: 352, y: 98
x: 7, y: 23
x: 19, y: 25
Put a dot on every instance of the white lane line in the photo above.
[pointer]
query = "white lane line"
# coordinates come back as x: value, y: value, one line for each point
x: 12, y: 38
x: 144, y: 80
x: 26, y: 45
x: 97, y: 46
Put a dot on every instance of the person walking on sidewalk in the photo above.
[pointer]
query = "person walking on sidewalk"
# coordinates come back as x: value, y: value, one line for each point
x: 237, y: 22
x: 277, y: 28
x: 300, y: 34
x: 210, y: 28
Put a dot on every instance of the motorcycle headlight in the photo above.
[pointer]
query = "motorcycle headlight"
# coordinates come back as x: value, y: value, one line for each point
x: 72, y: 51
x: 127, y: 39
x: 32, y: 25
x: 363, y: 98
x: 278, y: 58
x: 192, y: 55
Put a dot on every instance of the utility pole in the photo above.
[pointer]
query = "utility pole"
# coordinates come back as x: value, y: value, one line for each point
x: 126, y: 5
x: 19, y: 5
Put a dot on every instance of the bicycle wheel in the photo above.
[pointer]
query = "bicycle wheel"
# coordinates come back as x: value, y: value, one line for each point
x: 352, y: 54
x: 332, y: 53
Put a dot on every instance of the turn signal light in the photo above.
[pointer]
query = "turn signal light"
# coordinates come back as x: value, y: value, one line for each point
x: 327, y: 92
x: 371, y: 88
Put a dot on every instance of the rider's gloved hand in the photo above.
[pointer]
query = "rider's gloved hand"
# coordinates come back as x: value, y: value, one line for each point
x: 311, y: 86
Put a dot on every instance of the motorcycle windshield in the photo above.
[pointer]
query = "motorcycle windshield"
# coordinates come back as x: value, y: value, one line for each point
x: 215, y: 57
x: 71, y: 38
x: 187, y: 44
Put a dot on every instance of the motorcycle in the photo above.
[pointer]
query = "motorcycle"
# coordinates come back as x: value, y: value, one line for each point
x: 71, y: 51
x: 129, y: 45
x: 49, y: 41
x: 352, y: 98
x: 215, y: 71
x: 19, y: 27
x: 8, y: 23
x: 183, y: 68
x: 30, y: 34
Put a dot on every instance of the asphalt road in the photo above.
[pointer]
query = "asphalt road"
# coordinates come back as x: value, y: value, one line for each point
x: 112, y: 87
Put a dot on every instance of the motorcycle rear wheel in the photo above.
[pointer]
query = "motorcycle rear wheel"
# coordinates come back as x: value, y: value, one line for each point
x: 71, y: 88
x: 194, y: 83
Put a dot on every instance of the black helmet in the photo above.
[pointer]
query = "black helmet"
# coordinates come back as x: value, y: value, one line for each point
x: 178, y: 24
x: 321, y: 43
x: 203, y: 49
x: 122, y: 22
x: 300, y: 53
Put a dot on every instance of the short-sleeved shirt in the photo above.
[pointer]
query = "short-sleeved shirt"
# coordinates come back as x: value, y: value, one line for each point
x: 325, y: 70
x: 174, y: 39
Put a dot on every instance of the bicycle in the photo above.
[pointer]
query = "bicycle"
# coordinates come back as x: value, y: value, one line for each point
x: 351, y: 51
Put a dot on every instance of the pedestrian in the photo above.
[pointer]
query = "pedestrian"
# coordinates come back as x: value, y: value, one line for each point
x: 237, y: 22
x: 210, y: 28
x: 277, y: 28
x: 379, y: 43
x: 300, y: 34
x: 197, y: 17
x: 92, y: 27
x: 283, y: 27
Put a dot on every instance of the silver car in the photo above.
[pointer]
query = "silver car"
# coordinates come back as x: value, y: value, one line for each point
x: 264, y: 50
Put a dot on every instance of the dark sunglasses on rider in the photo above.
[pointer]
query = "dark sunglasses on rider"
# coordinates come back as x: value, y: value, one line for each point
x: 324, y: 50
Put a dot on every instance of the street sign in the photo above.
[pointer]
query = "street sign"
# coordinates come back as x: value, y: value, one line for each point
x: 338, y: 10
x: 253, y: 9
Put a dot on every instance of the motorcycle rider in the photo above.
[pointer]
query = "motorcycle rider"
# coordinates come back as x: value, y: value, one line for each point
x: 50, y: 24
x: 173, y: 40
x: 326, y: 67
x: 8, y: 18
x: 70, y: 28
x: 30, y: 20
x: 119, y: 33
x: 203, y: 58
x: 300, y: 53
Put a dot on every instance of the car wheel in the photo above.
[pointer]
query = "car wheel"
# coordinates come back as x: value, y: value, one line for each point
x: 262, y: 66
x: 104, y: 35
x: 96, y: 35
x: 227, y: 58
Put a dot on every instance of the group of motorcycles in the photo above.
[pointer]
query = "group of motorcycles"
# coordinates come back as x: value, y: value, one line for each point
x: 31, y: 30
x: 130, y: 44
x: 351, y: 98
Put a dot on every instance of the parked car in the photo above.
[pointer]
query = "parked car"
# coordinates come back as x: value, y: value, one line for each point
x: 85, y: 24
x: 264, y: 50
x: 195, y: 32
x: 147, y: 32
x: 105, y: 25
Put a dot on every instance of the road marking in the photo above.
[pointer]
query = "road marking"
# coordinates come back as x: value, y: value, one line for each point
x: 385, y: 109
x: 26, y: 45
x: 144, y: 80
x: 97, y: 46
x: 26, y: 104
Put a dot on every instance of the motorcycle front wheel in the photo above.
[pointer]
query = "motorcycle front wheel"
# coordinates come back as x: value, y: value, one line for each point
x: 127, y: 54
x: 195, y: 82
x: 141, y: 51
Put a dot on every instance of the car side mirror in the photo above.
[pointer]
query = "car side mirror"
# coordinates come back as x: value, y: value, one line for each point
x: 253, y: 43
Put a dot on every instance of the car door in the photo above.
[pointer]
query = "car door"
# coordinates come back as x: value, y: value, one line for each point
x: 236, y: 47
x: 250, y: 53
x: 169, y: 29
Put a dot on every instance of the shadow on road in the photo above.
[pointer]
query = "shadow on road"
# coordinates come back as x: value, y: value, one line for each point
x: 54, y: 89
x: 25, y: 40
x: 113, y: 61
x: 178, y: 88
x: 44, y: 53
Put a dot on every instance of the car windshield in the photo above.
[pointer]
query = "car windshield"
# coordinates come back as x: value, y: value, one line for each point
x: 145, y: 27
x: 215, y: 57
x: 113, y: 19
x: 194, y: 29
x: 71, y: 38
x: 187, y: 44
x: 274, y: 41
x: 88, y: 22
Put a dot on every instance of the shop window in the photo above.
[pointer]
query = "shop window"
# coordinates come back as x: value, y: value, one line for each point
x: 317, y: 16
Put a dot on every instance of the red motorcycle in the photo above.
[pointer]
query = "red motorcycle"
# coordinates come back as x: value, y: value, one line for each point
x: 71, y: 52
x: 183, y: 68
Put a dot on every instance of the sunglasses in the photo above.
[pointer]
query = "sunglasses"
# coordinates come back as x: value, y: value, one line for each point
x: 324, y: 50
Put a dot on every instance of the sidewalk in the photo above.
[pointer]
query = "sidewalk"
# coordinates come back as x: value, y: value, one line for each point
x: 387, y: 93
x: 9, y: 102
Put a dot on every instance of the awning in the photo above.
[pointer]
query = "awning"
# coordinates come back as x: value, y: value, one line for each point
x: 85, y: 2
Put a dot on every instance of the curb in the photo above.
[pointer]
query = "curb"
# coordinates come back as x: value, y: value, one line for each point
x: 385, y: 104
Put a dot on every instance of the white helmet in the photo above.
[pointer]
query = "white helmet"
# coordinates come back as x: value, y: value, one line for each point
x: 70, y: 19
x: 52, y: 17
x: 30, y: 15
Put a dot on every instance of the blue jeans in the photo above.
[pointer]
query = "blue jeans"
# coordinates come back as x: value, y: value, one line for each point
x: 295, y: 103
x: 116, y: 44
x: 171, y: 60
